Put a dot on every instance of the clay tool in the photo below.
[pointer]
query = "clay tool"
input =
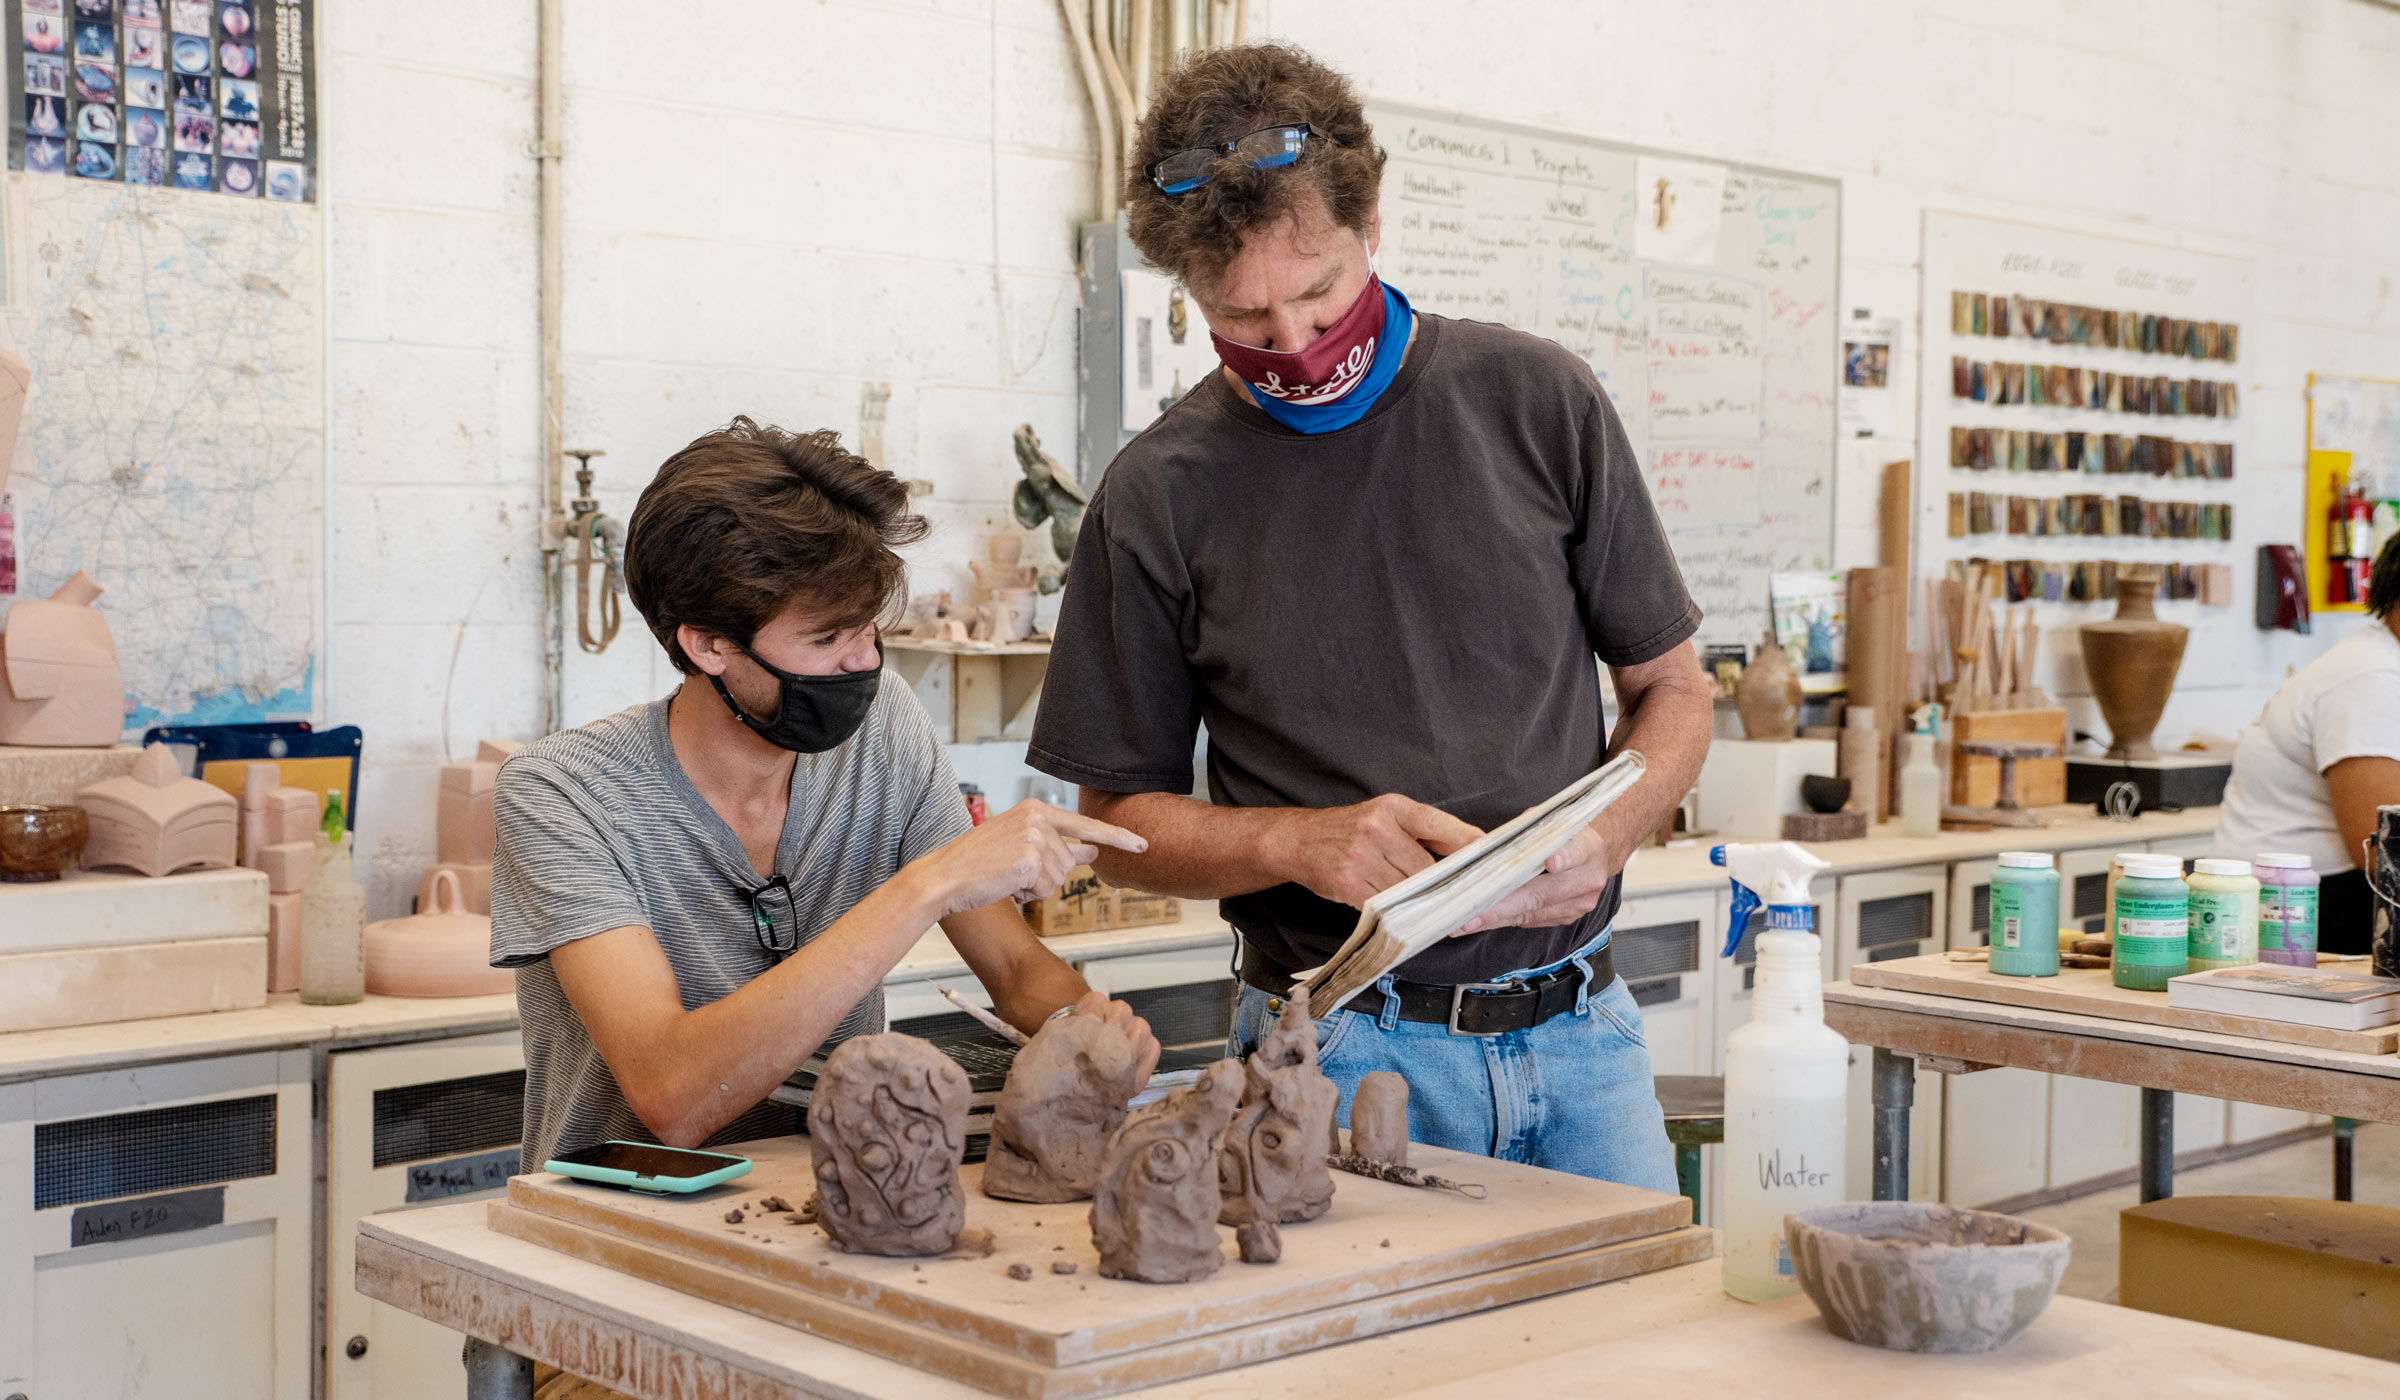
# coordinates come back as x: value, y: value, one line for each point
x: 1402, y: 1176
x: 991, y: 1023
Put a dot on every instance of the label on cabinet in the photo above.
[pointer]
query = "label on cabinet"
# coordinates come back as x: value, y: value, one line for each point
x: 142, y: 1216
x: 483, y: 1171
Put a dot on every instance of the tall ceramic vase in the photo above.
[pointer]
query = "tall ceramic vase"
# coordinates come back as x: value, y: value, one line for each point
x: 1769, y: 694
x: 2131, y: 660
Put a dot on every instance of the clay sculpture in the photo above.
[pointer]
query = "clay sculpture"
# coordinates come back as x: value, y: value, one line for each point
x: 1049, y: 494
x: 1379, y: 1118
x: 2131, y: 660
x: 155, y: 820
x: 1272, y: 1169
x: 59, y: 682
x: 1769, y: 694
x: 1065, y: 1095
x: 443, y: 952
x: 887, y: 1127
x: 1154, y: 1209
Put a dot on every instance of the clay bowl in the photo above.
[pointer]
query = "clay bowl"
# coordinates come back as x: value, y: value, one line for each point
x: 39, y: 842
x: 1819, y: 793
x: 1914, y: 1276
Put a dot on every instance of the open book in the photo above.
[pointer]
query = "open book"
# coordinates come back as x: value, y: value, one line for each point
x: 1397, y: 923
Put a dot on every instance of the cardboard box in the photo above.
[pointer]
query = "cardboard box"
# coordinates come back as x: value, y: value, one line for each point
x: 1089, y: 904
x: 2313, y: 1271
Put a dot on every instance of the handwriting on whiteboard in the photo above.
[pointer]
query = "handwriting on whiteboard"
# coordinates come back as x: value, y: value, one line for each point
x: 1705, y: 488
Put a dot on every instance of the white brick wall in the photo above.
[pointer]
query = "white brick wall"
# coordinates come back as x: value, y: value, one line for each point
x: 772, y: 203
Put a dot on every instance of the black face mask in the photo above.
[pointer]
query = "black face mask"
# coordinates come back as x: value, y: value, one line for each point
x: 815, y: 713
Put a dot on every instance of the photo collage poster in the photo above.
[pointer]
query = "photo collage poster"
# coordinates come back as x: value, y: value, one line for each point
x: 209, y: 95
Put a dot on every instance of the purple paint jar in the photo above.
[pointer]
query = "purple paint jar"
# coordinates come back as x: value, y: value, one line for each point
x: 2287, y: 909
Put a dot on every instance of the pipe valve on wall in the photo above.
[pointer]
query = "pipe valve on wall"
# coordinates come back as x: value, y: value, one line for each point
x: 594, y: 540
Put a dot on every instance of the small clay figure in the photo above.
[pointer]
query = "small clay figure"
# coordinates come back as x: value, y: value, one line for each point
x: 1065, y: 1094
x: 1379, y: 1118
x: 1154, y: 1211
x: 1048, y: 493
x: 886, y: 1129
x: 1272, y: 1167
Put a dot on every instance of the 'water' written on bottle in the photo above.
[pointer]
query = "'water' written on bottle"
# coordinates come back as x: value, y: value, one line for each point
x: 1772, y: 1173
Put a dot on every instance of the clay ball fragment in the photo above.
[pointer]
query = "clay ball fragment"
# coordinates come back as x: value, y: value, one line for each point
x: 1062, y: 1266
x: 1020, y: 1272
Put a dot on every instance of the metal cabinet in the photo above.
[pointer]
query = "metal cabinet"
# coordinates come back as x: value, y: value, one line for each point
x: 1665, y: 947
x: 155, y: 1228
x: 425, y: 1123
x: 1187, y: 995
x: 1883, y: 915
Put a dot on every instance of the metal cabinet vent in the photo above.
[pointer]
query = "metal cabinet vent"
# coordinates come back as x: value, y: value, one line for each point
x: 449, y: 1117
x: 2091, y: 896
x: 1653, y: 959
x: 1184, y: 1015
x: 1900, y: 918
x: 152, y: 1149
x: 1979, y: 917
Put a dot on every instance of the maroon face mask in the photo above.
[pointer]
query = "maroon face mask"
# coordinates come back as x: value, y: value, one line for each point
x: 1330, y: 367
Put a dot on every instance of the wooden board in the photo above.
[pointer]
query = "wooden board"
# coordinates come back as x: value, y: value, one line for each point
x: 2041, y: 782
x: 2075, y: 1348
x: 2089, y: 992
x: 1385, y: 1256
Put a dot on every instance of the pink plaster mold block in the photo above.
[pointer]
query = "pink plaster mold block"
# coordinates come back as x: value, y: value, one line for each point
x: 279, y: 826
x: 283, y: 942
x: 156, y: 821
x: 59, y: 682
x: 16, y: 381
x: 463, y: 824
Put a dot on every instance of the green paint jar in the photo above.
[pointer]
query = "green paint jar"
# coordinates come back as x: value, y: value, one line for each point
x: 2024, y: 937
x: 2224, y: 899
x: 2153, y: 917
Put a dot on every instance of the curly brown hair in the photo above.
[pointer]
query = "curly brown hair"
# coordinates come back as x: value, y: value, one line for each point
x: 750, y: 519
x: 1217, y: 95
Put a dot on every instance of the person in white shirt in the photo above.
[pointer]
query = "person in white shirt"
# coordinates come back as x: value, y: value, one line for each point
x: 2309, y: 773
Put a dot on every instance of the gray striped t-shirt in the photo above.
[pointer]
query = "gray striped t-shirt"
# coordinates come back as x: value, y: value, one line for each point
x: 600, y: 828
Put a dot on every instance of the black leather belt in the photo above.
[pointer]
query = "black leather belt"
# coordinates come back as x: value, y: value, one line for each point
x: 1493, y: 1008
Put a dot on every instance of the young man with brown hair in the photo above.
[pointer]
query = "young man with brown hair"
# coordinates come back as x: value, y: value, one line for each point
x: 700, y: 892
x: 1382, y: 556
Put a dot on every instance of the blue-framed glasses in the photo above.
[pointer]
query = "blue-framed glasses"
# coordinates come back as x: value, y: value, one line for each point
x: 1268, y: 148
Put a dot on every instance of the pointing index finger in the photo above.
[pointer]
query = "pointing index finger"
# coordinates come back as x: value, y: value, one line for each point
x: 1075, y: 826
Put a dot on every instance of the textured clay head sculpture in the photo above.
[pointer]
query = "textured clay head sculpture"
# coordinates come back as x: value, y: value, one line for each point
x: 1154, y: 1212
x: 1272, y: 1169
x: 1065, y: 1094
x: 886, y: 1128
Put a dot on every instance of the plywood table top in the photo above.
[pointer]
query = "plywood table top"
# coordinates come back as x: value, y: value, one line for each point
x: 2075, y: 1348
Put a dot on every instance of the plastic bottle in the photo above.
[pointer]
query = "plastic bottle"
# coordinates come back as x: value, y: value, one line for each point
x: 1787, y: 1077
x: 2224, y: 900
x: 2153, y: 923
x: 1921, y: 782
x: 2287, y: 909
x: 333, y: 919
x: 2025, y: 915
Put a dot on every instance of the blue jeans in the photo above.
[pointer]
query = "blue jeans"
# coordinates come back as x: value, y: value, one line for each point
x: 1573, y: 1094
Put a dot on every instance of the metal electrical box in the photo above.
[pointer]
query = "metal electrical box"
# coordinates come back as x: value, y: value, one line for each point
x: 1143, y: 345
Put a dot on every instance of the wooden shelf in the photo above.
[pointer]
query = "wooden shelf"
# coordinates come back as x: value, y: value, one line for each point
x: 1034, y: 646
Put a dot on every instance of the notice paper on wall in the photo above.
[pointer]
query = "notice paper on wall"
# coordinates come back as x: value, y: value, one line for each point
x: 213, y: 96
x: 1868, y: 344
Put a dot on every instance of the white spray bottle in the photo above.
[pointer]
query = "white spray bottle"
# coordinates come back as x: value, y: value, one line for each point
x: 1787, y: 1076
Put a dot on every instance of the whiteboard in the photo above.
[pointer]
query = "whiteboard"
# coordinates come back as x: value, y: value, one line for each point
x: 1711, y: 328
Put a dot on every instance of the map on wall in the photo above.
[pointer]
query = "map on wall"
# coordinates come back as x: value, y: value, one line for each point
x: 174, y: 442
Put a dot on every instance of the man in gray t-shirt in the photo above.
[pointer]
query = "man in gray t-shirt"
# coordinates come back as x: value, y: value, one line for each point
x: 701, y: 892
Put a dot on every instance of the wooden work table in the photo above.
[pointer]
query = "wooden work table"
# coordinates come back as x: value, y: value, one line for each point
x: 1673, y: 1332
x: 1957, y: 1035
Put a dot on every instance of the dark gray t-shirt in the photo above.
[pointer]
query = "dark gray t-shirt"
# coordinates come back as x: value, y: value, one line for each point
x: 1410, y: 604
x: 600, y: 828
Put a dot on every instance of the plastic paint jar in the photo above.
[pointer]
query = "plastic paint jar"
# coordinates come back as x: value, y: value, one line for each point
x: 2153, y: 923
x: 2287, y: 909
x: 2025, y: 915
x: 2224, y: 913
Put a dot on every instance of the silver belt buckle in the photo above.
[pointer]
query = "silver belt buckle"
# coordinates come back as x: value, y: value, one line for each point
x: 1458, y: 998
